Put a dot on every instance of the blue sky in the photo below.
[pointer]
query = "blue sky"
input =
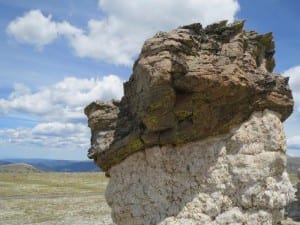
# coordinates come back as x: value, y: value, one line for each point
x: 57, y: 56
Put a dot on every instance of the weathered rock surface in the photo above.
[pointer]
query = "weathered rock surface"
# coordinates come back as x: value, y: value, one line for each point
x: 189, y: 84
x: 198, y: 136
x: 236, y: 178
x: 102, y: 121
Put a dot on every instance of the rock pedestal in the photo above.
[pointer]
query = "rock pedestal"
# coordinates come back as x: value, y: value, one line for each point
x: 237, y: 178
x: 198, y: 136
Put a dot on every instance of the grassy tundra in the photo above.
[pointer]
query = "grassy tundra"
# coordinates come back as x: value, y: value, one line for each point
x: 53, y: 199
x: 57, y: 199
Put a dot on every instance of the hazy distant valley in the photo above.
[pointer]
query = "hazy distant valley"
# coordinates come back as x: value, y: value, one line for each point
x: 47, y: 165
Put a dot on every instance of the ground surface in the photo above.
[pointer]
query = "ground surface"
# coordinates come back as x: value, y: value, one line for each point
x: 56, y: 199
x: 53, y: 199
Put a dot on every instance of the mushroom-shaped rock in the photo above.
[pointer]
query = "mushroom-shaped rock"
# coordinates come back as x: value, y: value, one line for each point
x: 192, y: 83
x: 198, y: 136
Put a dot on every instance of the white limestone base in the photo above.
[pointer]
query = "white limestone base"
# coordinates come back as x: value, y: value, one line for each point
x: 238, y: 178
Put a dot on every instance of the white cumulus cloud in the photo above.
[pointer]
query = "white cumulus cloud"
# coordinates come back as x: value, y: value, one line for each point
x: 33, y: 28
x: 119, y: 36
x: 56, y: 111
x: 58, y: 129
x: 294, y: 141
x: 293, y: 150
x: 63, y: 101
x: 294, y: 81
x: 71, y: 136
x: 292, y: 124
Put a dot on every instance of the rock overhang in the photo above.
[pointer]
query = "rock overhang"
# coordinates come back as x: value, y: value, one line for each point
x: 189, y: 84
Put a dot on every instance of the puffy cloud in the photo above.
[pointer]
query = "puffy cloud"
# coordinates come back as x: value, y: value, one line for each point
x: 294, y: 74
x: 63, y: 101
x: 33, y: 28
x: 65, y: 28
x: 292, y: 124
x: 129, y: 23
x: 59, y: 110
x: 58, y: 129
x: 294, y: 142
x: 119, y: 36
x: 71, y: 136
x: 169, y: 13
x: 293, y: 152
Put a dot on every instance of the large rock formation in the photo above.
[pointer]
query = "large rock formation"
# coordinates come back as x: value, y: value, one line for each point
x: 198, y: 136
x: 102, y: 121
x: 192, y: 83
x: 236, y: 178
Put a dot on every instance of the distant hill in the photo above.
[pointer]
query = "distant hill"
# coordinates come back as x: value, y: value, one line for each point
x: 49, y: 165
x: 293, y: 163
x: 18, y: 168
x: 2, y: 162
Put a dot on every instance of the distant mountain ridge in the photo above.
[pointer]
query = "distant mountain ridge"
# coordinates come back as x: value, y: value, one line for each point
x: 18, y: 168
x: 50, y: 165
x: 3, y: 162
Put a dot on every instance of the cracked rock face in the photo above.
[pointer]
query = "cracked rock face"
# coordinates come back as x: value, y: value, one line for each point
x: 236, y: 178
x: 102, y: 121
x: 189, y: 84
x: 198, y: 136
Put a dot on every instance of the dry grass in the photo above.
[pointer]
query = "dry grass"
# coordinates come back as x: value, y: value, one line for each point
x: 19, y: 184
x: 53, y: 199
x: 56, y: 199
x: 293, y: 178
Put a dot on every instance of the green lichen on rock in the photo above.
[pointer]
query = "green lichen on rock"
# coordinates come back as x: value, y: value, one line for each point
x: 181, y: 114
x: 157, y: 114
x: 151, y: 122
x: 132, y: 146
x: 216, y: 27
x: 154, y: 102
x: 266, y: 40
x: 270, y: 64
x: 237, y: 26
x: 265, y: 50
x: 121, y: 151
